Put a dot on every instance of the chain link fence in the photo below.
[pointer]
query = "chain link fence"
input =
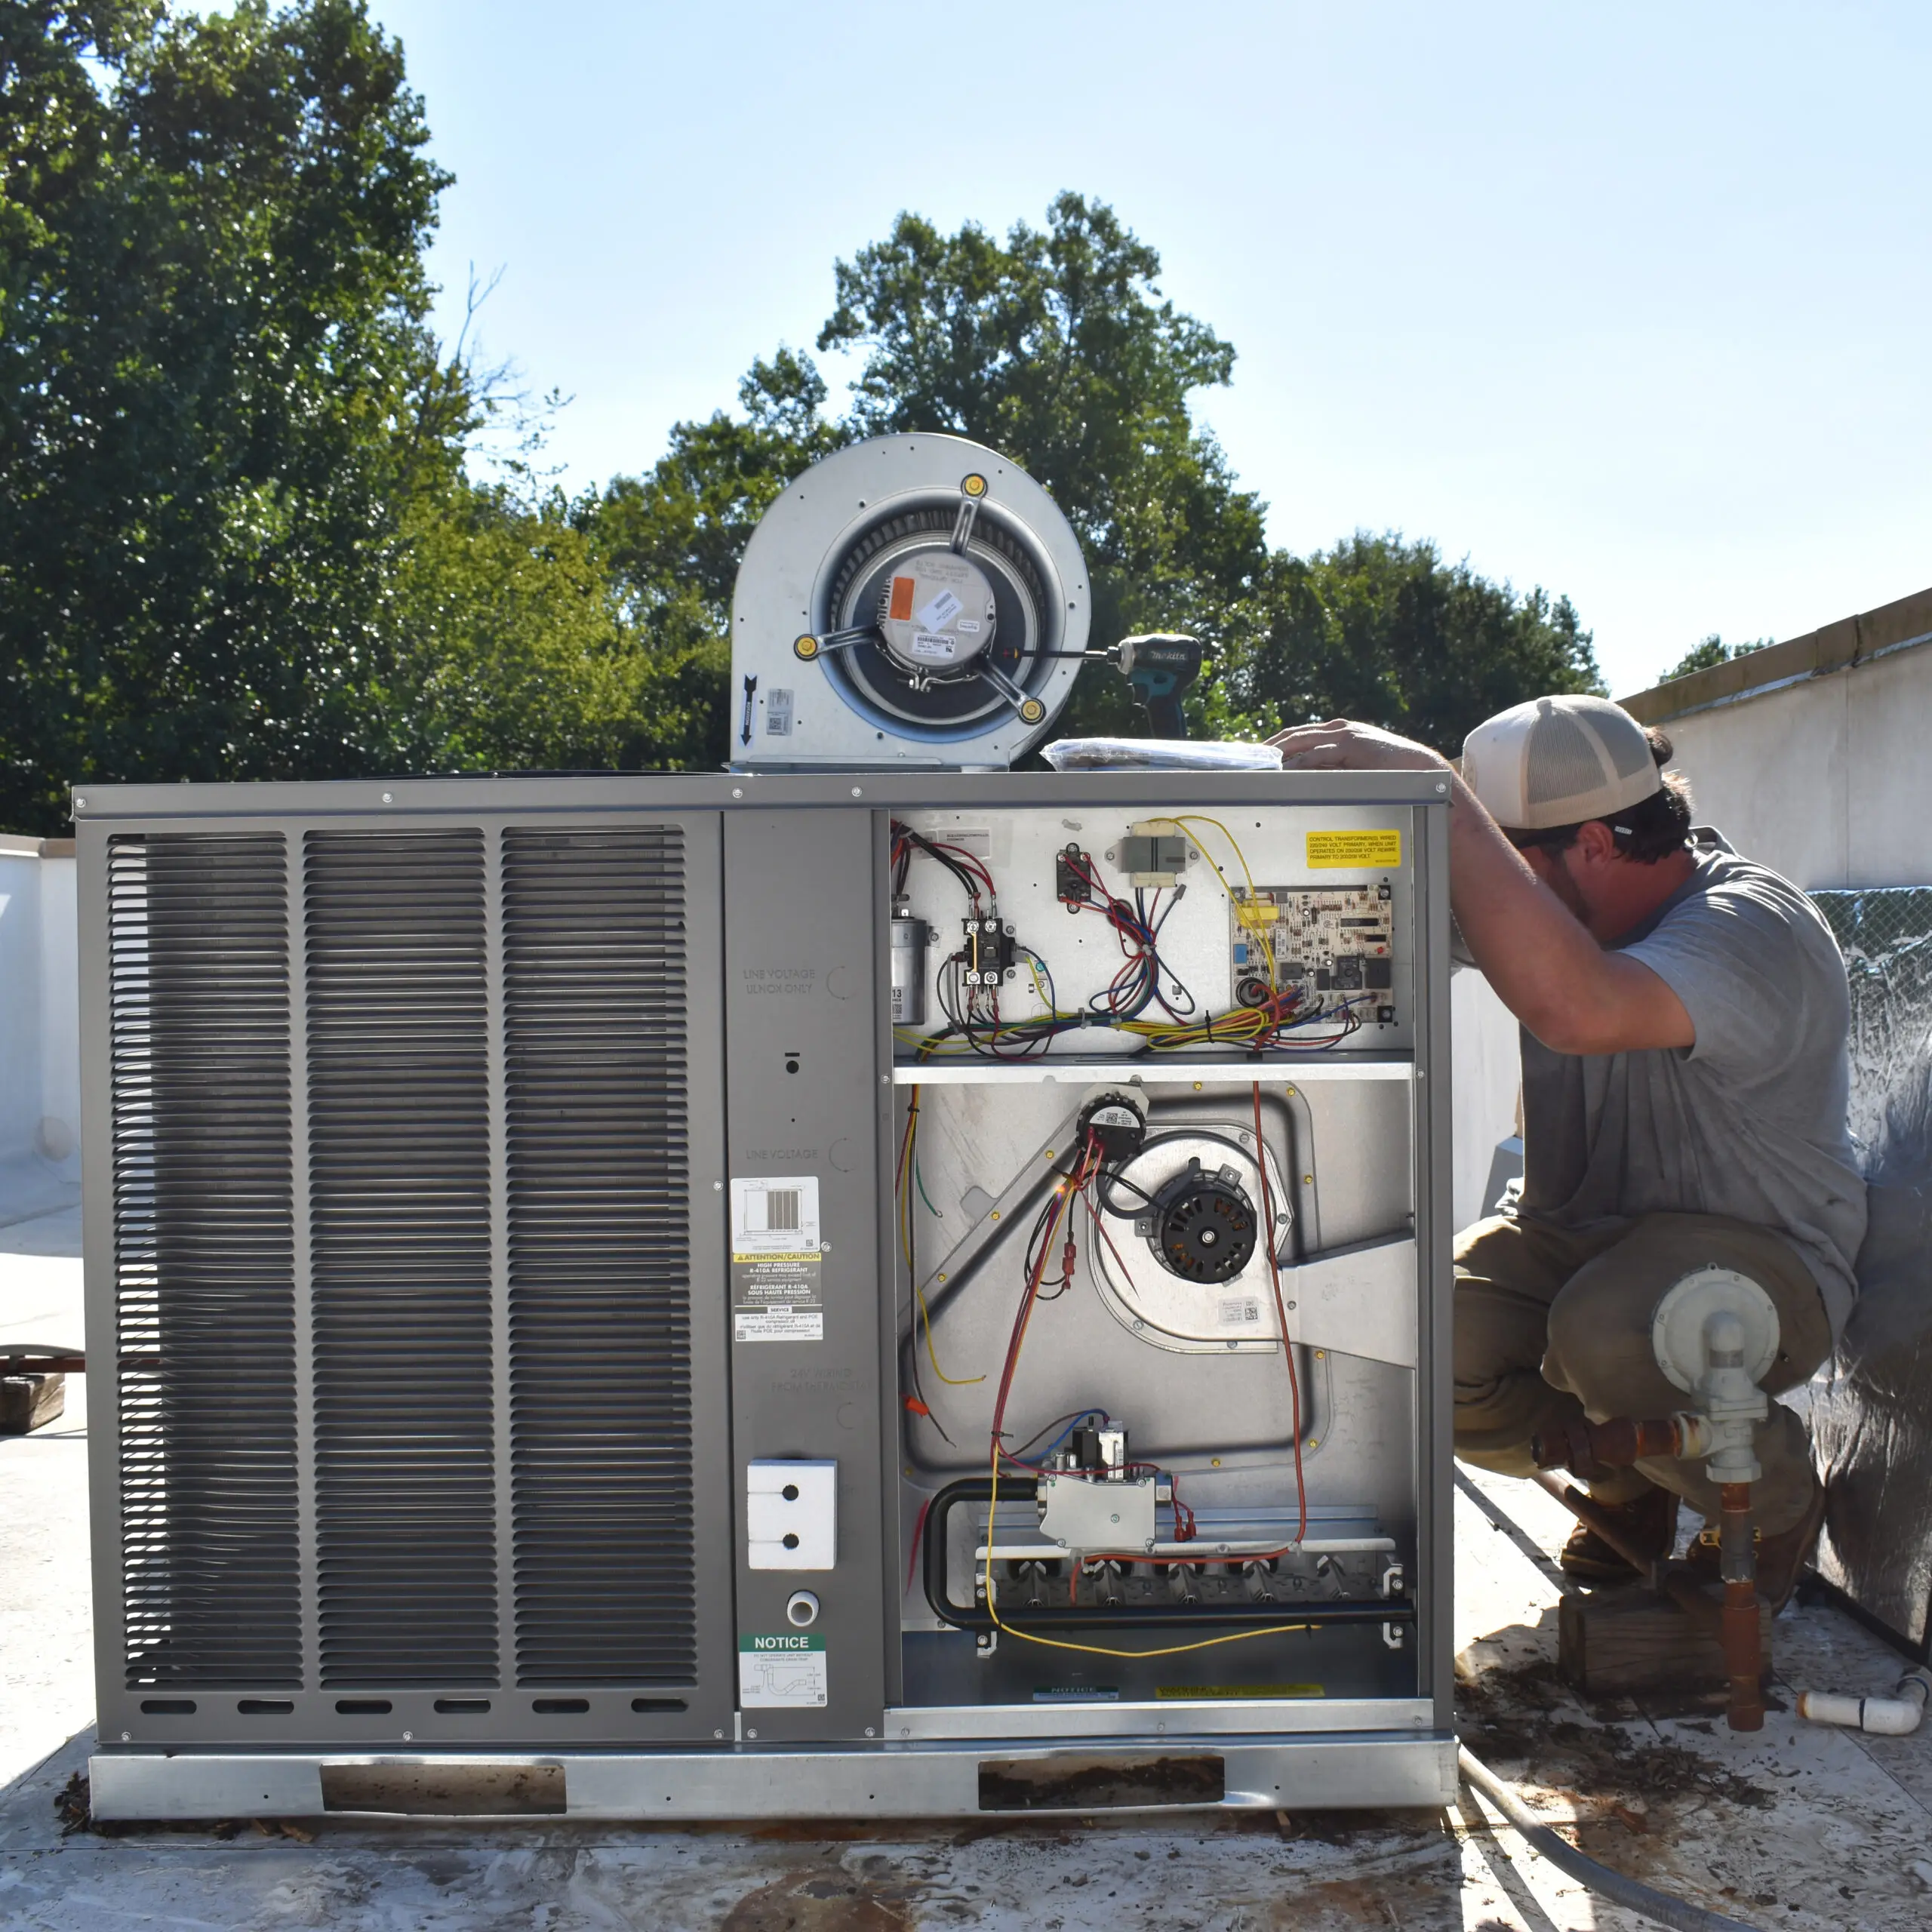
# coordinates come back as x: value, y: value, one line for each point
x: 1872, y: 1408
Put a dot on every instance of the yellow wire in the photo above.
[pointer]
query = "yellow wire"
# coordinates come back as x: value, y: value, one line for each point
x: 907, y: 1185
x: 1253, y: 896
x: 1093, y: 1649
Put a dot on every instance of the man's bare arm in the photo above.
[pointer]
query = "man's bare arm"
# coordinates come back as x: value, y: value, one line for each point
x: 1545, y: 967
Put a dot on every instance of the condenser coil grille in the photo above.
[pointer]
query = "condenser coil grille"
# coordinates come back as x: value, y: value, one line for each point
x: 204, y: 1263
x: 399, y: 1207
x: 403, y: 1267
x: 595, y: 1087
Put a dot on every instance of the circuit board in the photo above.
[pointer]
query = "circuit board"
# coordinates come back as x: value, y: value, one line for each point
x: 1335, y: 943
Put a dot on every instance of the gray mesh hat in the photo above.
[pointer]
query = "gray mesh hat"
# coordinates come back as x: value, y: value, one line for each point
x: 1558, y: 760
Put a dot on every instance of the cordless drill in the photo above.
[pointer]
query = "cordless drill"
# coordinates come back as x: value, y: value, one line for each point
x: 1162, y: 666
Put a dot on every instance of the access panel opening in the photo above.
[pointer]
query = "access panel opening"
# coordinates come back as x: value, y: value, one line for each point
x: 1069, y: 1782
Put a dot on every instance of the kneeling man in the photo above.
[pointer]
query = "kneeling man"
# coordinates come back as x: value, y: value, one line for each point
x: 1684, y: 1019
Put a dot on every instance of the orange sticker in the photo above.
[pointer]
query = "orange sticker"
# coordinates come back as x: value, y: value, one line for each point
x: 901, y: 607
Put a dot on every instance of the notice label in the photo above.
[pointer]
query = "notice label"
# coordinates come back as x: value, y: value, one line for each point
x: 1353, y: 851
x: 778, y: 714
x: 775, y: 1260
x: 1240, y: 1312
x: 785, y: 1673
x: 934, y: 643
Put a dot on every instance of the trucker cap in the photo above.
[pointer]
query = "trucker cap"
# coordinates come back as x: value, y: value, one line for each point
x: 1559, y: 760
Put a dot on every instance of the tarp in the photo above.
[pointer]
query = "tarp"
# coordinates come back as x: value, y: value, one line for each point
x: 1872, y: 1407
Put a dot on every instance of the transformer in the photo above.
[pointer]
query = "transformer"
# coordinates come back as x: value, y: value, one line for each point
x: 774, y: 1292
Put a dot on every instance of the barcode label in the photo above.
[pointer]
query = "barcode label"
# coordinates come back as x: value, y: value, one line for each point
x: 778, y: 713
x: 781, y: 1210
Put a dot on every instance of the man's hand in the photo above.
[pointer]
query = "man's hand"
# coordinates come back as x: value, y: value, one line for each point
x: 1342, y: 746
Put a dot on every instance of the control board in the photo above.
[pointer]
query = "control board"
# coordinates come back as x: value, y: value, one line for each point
x: 1333, y: 942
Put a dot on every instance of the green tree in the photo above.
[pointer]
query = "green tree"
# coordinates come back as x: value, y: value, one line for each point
x: 238, y: 538
x: 1056, y: 348
x: 1384, y: 631
x: 1713, y: 650
x: 216, y: 387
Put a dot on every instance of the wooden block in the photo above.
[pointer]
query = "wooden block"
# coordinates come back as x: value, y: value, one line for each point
x: 1618, y: 1641
x: 30, y: 1402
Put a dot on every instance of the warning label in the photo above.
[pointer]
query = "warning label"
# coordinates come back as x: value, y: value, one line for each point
x: 1353, y: 851
x: 904, y: 589
x: 781, y: 1672
x: 777, y: 1259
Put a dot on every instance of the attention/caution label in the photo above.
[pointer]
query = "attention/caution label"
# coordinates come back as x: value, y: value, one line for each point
x: 1353, y: 851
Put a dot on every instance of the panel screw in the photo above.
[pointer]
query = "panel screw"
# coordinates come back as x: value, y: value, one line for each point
x: 127, y: 1737
x: 751, y: 1734
x: 1443, y: 787
x: 857, y: 792
x: 738, y: 791
x: 80, y: 803
x: 906, y: 1730
x: 870, y: 1732
x: 409, y: 1738
x: 389, y: 797
x: 718, y: 1187
x: 1308, y: 1180
x: 717, y: 1733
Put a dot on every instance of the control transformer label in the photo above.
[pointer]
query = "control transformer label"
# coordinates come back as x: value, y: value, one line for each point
x: 775, y: 1260
x: 1353, y: 851
x: 785, y: 1673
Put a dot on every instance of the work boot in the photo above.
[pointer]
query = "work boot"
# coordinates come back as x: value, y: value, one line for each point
x: 1779, y: 1557
x: 1649, y: 1525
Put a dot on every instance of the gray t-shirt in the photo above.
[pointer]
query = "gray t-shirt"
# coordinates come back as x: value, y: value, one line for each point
x: 1749, y: 1122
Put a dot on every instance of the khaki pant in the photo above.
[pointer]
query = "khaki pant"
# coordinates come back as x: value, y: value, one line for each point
x: 1548, y: 1321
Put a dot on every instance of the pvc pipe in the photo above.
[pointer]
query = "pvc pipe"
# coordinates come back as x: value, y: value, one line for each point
x: 1659, y: 1907
x: 1884, y: 1717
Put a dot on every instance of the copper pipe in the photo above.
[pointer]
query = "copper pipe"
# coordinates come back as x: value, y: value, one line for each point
x: 1596, y: 1520
x: 1743, y: 1646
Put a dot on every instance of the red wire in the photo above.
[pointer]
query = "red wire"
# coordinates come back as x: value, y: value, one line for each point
x: 918, y: 1530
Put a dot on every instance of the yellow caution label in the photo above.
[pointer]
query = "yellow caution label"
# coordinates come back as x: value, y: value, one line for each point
x: 1186, y: 1690
x: 1352, y: 851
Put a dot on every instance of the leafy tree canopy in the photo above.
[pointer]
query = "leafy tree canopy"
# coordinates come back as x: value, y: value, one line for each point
x: 245, y: 532
x: 1713, y: 650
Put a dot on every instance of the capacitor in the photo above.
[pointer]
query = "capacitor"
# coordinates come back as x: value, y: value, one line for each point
x: 909, y: 967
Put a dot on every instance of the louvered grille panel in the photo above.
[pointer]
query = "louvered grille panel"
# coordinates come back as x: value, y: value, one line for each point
x: 595, y: 1017
x: 204, y: 1259
x: 399, y: 1192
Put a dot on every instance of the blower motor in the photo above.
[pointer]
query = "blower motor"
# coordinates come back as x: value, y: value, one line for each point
x: 910, y: 600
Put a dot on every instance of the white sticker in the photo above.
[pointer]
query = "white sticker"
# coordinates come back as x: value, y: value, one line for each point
x: 781, y: 1673
x: 933, y: 643
x: 777, y: 1259
x: 775, y: 1216
x: 780, y: 1324
x: 967, y: 627
x: 945, y: 604
x: 1240, y: 1313
x: 778, y: 713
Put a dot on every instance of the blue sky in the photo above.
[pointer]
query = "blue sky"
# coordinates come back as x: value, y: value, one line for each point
x: 1633, y: 301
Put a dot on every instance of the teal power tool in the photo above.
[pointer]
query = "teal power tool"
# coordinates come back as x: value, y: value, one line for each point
x: 1163, y: 667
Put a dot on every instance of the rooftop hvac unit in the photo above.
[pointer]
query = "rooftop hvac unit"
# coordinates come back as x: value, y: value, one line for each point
x: 561, y: 1252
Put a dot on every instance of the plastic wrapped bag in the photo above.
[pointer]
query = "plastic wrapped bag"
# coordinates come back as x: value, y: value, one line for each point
x: 1161, y: 755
